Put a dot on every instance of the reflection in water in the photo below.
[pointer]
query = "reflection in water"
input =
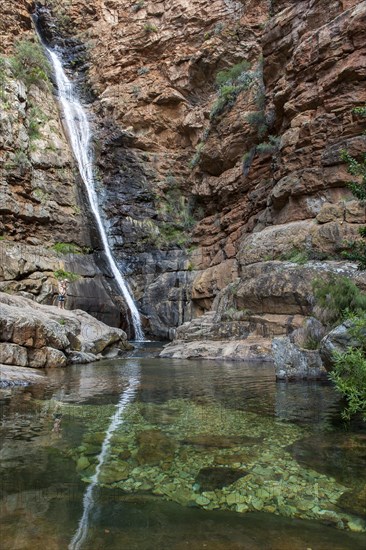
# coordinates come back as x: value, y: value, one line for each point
x: 115, y: 421
x: 218, y: 436
x: 306, y: 402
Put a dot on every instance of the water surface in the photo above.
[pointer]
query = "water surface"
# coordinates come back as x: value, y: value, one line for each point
x: 204, y: 455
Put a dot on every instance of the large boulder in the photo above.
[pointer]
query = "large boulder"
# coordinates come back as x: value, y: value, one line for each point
x: 258, y: 349
x: 338, y: 340
x: 294, y: 363
x: 35, y: 335
x: 30, y: 271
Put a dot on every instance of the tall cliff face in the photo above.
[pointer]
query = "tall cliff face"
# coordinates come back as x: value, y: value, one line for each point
x: 43, y: 208
x: 218, y: 131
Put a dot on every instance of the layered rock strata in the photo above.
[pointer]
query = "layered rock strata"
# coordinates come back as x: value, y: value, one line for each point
x: 46, y: 228
x: 38, y: 336
x: 269, y: 301
x: 204, y: 173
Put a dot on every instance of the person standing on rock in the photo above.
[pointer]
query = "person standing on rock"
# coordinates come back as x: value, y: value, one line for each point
x: 62, y: 292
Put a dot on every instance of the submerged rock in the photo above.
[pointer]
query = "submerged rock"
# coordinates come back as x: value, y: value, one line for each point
x: 212, y: 478
x: 114, y: 472
x: 154, y: 447
x: 341, y: 456
x: 354, y: 501
x: 220, y: 441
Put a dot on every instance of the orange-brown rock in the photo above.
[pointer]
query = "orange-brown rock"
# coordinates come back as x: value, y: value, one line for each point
x: 195, y: 177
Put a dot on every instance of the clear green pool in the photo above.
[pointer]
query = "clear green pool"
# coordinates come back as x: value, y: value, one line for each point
x: 201, y: 455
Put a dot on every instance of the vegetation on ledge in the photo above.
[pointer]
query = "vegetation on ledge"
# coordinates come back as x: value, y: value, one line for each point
x: 339, y: 300
x: 357, y: 168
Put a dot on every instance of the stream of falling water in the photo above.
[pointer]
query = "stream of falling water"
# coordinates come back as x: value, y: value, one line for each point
x: 80, y: 134
x: 88, y: 500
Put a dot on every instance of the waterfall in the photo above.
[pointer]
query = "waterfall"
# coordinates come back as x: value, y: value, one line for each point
x: 80, y: 134
x: 88, y: 500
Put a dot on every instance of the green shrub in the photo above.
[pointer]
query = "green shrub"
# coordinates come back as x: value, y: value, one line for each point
x: 356, y: 168
x: 196, y: 157
x: 360, y: 111
x: 35, y: 119
x: 177, y: 217
x: 231, y: 82
x: 357, y: 249
x: 229, y: 75
x: 67, y: 248
x: 296, y: 256
x: 338, y: 297
x: 349, y: 370
x: 149, y: 27
x: 62, y: 274
x: 311, y: 343
x: 269, y: 146
x: 356, y: 252
x: 3, y: 74
x: 258, y: 120
x: 349, y: 377
x: 173, y: 234
x: 227, y: 98
x: 219, y: 27
x: 30, y: 64
x: 143, y: 70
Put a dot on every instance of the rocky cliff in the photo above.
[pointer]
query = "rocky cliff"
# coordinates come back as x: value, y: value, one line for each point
x: 218, y: 131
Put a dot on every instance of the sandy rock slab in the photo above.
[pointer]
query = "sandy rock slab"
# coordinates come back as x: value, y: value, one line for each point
x: 40, y: 336
x: 19, y: 376
x: 238, y: 350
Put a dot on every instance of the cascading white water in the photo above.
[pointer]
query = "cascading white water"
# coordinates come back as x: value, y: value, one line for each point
x: 88, y: 500
x: 79, y: 134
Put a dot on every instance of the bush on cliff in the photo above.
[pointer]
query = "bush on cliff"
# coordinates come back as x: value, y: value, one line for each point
x: 337, y: 298
x: 62, y: 274
x: 233, y: 73
x: 230, y: 83
x: 30, y: 64
x: 357, y: 168
x: 349, y: 377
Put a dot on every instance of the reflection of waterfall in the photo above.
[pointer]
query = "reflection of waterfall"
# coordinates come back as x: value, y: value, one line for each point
x: 88, y: 501
x: 79, y: 134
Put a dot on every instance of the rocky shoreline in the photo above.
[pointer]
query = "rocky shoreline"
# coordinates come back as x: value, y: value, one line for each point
x: 19, y: 376
x: 39, y: 336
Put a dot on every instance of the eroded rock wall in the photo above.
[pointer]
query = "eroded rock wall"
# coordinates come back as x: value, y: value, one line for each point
x: 43, y: 207
x: 202, y: 178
